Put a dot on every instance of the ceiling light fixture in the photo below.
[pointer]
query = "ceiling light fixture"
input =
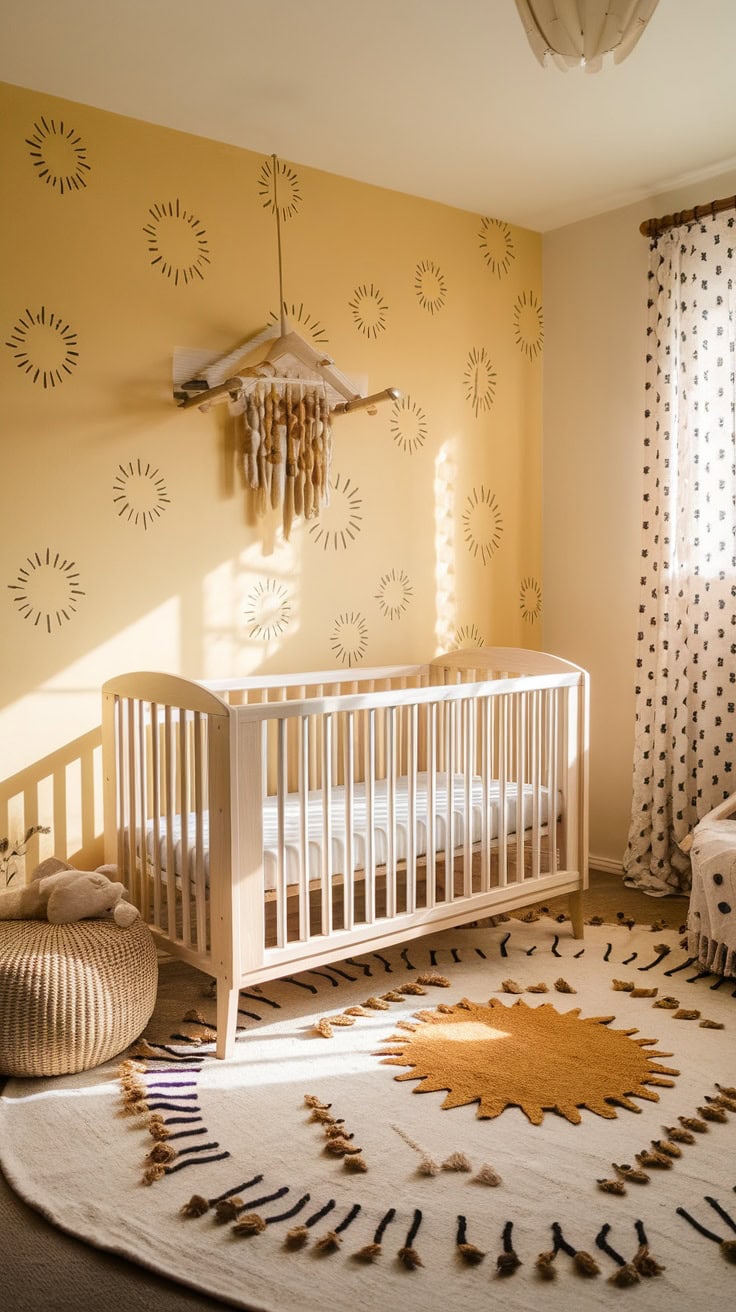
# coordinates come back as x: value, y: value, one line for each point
x: 578, y: 33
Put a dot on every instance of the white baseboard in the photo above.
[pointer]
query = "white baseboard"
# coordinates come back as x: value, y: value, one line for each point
x: 605, y: 865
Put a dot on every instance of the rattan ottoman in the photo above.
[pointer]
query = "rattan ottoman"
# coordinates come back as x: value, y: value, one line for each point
x: 72, y: 996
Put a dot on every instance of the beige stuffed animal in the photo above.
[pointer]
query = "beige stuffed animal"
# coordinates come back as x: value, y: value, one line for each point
x: 59, y: 893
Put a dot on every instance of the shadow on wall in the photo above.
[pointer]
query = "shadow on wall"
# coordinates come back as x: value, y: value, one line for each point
x: 64, y: 792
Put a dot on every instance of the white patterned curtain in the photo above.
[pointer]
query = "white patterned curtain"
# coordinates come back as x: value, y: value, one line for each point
x: 686, y: 657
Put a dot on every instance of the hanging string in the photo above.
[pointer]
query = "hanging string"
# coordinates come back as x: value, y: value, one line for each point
x: 282, y: 313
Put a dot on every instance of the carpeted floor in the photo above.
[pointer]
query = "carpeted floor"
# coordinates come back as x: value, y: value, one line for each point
x: 41, y: 1267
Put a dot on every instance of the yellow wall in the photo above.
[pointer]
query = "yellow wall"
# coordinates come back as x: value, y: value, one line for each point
x: 128, y: 540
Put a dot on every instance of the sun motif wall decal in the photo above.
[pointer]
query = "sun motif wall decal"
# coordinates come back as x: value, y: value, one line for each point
x: 47, y: 589
x: 482, y: 523
x: 408, y: 425
x: 497, y: 245
x: 430, y: 286
x: 311, y: 327
x: 369, y: 310
x: 530, y: 600
x: 59, y: 156
x: 480, y: 380
x: 267, y: 611
x: 349, y: 638
x: 139, y: 493
x: 394, y: 594
x: 286, y: 190
x: 528, y: 324
x: 177, y: 242
x: 520, y: 1056
x: 44, y: 347
x: 468, y: 635
x: 341, y: 521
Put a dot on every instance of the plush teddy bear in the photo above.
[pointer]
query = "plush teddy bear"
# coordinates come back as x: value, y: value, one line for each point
x: 59, y: 893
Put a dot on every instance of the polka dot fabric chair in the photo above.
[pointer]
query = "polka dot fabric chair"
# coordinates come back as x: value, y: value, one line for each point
x: 712, y: 911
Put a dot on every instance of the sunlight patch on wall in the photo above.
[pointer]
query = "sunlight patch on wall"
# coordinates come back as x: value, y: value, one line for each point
x: 250, y: 608
x: 445, y: 476
x: 69, y: 703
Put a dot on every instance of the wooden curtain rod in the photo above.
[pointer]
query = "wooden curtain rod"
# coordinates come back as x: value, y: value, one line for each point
x: 655, y: 227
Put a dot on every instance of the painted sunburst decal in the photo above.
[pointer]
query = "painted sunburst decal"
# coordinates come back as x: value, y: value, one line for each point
x: 368, y: 310
x: 468, y: 635
x: 497, y: 245
x: 408, y: 424
x: 44, y: 347
x: 349, y: 638
x: 59, y: 155
x: 177, y: 242
x: 394, y: 593
x: 521, y: 1056
x: 139, y: 493
x: 482, y: 523
x: 47, y: 589
x: 528, y: 325
x: 311, y: 328
x: 480, y: 380
x: 341, y: 521
x: 430, y: 286
x: 268, y: 610
x: 282, y: 184
x: 530, y: 600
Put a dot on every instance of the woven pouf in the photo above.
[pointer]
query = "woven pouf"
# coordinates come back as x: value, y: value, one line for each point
x: 72, y: 996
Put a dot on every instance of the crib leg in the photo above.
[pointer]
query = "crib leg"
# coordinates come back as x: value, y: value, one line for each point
x: 227, y: 1019
x: 575, y: 904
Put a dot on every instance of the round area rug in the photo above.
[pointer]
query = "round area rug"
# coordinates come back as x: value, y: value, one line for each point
x: 490, y: 1113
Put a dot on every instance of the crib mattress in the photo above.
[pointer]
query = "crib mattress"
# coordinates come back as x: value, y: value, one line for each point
x: 384, y: 832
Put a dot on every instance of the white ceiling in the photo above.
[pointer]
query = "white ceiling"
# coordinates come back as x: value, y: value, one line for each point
x: 439, y: 98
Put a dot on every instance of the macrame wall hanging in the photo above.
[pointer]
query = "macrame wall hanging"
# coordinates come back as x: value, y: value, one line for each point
x: 282, y: 404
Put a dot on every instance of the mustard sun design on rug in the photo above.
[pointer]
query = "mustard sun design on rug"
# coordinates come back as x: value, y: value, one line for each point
x: 534, y: 1058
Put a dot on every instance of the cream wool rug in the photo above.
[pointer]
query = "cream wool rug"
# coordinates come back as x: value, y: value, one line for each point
x: 473, y: 1118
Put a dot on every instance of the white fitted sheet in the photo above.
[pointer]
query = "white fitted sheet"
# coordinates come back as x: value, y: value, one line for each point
x: 381, y: 836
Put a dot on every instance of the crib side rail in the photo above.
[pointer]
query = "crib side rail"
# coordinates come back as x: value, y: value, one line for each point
x: 407, y: 801
x: 316, y: 683
x: 473, y: 664
x: 168, y: 797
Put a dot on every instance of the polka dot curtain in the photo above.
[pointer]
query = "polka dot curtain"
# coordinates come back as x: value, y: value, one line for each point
x: 686, y: 639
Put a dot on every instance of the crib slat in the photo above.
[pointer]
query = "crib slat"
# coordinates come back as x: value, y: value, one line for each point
x: 130, y: 794
x: 186, y: 923
x: 535, y: 747
x: 169, y: 769
x: 431, y: 858
x: 569, y: 765
x: 485, y: 771
x: 552, y: 776
x: 120, y: 773
x: 304, y: 925
x: 412, y: 819
x: 145, y: 891
x: 503, y: 717
x: 390, y: 721
x: 349, y: 863
x: 281, y: 791
x: 450, y: 822
x: 469, y: 772
x: 327, y: 823
x: 156, y: 813
x: 520, y: 781
x: 200, y: 887
x: 370, y: 811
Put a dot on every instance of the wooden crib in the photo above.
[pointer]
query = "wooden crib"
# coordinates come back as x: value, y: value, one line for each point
x: 269, y: 825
